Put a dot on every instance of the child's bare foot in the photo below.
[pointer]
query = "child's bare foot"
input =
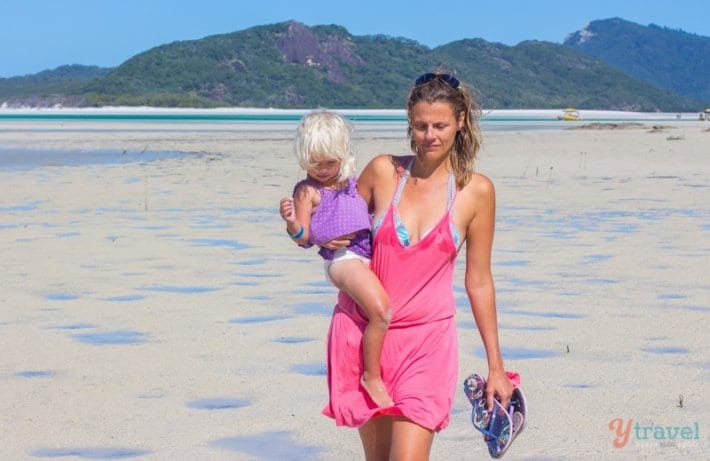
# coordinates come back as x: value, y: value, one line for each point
x: 376, y: 390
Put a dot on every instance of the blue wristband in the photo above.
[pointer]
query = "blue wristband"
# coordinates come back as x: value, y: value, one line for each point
x: 297, y: 235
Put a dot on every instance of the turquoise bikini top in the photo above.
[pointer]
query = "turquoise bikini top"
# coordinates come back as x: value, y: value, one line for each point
x: 402, y: 232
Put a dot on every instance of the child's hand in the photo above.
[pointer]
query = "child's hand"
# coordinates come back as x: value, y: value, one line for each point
x: 287, y: 210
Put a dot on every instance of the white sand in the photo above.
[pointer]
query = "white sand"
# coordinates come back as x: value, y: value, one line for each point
x: 602, y: 249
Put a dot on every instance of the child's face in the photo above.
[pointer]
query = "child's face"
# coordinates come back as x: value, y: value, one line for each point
x: 325, y: 170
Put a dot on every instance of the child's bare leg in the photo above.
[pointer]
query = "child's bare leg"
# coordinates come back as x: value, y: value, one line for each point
x: 356, y: 279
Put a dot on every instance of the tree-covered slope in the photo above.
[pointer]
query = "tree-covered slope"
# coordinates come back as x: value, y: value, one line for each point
x: 671, y: 59
x: 290, y: 65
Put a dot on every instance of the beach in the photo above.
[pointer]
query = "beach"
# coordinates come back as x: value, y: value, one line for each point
x: 152, y: 306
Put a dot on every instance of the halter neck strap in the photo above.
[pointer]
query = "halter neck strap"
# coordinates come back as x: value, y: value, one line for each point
x: 451, y: 192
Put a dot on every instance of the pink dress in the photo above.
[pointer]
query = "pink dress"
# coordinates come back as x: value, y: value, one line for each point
x: 420, y: 355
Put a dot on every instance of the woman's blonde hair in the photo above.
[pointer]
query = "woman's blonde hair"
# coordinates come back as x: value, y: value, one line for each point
x: 324, y: 135
x: 441, y: 87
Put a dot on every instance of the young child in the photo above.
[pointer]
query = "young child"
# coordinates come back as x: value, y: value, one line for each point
x: 327, y: 206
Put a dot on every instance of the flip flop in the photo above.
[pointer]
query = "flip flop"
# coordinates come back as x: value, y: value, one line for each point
x: 499, y: 426
x: 475, y: 389
x: 500, y: 431
x: 496, y: 426
x: 518, y: 411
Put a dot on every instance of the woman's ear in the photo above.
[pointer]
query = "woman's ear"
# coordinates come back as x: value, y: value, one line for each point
x: 462, y: 117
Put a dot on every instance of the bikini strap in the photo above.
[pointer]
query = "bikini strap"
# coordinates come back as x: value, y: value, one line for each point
x: 402, y: 182
x: 451, y: 196
x: 451, y: 193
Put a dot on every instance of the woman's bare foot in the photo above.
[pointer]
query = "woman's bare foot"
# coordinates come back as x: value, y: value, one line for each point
x: 376, y: 390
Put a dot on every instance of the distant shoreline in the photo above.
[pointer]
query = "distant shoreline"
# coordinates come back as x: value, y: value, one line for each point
x: 273, y: 114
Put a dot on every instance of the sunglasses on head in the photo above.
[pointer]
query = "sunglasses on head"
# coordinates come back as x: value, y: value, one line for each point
x: 450, y: 80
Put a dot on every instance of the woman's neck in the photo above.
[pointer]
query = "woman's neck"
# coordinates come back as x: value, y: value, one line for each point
x: 430, y: 170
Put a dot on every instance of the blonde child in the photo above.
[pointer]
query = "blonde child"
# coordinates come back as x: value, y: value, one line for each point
x: 326, y: 206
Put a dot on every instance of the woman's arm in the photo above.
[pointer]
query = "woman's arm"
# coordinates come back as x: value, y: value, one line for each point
x: 368, y: 179
x: 480, y: 286
x: 377, y: 182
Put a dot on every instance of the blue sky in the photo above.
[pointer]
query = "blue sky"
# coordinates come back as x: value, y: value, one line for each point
x: 42, y: 34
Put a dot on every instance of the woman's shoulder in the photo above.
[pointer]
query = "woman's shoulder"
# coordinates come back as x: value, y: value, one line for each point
x: 388, y: 162
x: 477, y: 198
x: 479, y: 180
x: 479, y: 187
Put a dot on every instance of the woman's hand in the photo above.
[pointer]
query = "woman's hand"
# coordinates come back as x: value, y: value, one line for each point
x: 498, y: 386
x: 340, y: 242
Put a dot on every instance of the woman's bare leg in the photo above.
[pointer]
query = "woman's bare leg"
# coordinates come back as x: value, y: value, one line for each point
x: 357, y: 280
x: 376, y: 438
x: 395, y: 438
x: 410, y: 441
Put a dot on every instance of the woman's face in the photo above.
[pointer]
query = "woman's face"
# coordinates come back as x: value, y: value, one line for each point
x: 434, y: 128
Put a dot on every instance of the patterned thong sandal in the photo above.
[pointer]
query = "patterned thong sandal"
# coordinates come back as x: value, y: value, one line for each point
x: 475, y: 389
x: 518, y: 409
x: 500, y: 426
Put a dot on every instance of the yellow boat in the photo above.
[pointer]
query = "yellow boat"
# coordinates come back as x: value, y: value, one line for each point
x: 707, y: 114
x: 570, y: 114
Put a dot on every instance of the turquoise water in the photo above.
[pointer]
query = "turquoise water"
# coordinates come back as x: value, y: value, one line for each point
x: 294, y: 116
x: 364, y: 121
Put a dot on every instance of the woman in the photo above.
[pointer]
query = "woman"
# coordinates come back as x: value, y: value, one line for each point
x: 426, y: 207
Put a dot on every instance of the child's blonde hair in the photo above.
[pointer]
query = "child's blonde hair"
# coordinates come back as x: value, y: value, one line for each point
x: 324, y: 135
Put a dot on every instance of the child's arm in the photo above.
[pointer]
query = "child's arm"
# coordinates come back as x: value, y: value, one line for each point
x: 297, y: 214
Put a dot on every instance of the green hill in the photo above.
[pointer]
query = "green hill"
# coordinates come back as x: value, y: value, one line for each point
x: 290, y: 65
x: 282, y: 65
x: 536, y: 74
x: 50, y: 85
x: 674, y: 60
